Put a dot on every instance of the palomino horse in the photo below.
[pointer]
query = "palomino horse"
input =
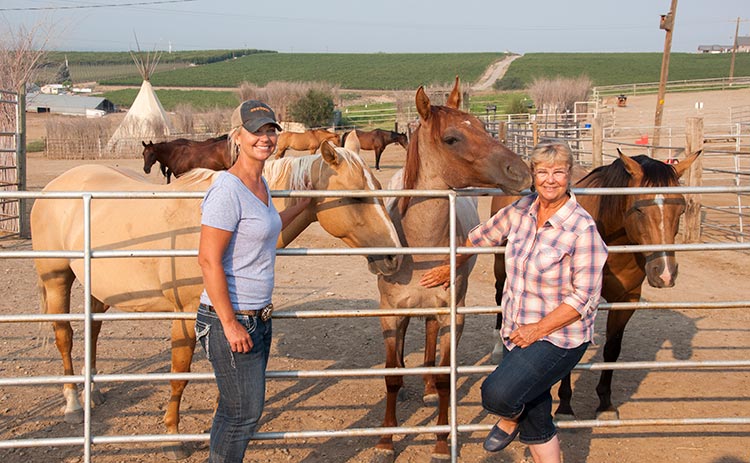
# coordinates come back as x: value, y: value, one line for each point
x: 166, y: 284
x: 377, y: 140
x: 642, y: 219
x: 450, y: 149
x: 180, y: 155
x: 309, y: 140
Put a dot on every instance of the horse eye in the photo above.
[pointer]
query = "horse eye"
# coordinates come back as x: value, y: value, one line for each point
x: 450, y: 140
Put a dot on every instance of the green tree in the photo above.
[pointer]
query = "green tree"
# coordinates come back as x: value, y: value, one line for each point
x: 63, y: 75
x: 314, y: 109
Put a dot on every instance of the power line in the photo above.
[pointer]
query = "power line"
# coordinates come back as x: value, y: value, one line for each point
x: 104, y: 5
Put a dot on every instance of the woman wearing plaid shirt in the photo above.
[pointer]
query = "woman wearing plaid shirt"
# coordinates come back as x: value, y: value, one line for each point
x: 554, y: 258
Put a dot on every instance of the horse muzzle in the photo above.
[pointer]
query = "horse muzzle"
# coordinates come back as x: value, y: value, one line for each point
x: 661, y: 269
x: 384, y: 264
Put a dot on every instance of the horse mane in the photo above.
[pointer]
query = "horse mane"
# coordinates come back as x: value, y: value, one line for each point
x: 194, y: 177
x: 614, y: 175
x: 299, y: 169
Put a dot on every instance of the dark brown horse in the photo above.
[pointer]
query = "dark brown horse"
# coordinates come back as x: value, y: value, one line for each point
x: 640, y: 219
x: 179, y: 156
x: 377, y: 140
x: 309, y: 140
x: 450, y: 149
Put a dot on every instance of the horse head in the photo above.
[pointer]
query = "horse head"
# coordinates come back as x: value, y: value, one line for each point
x: 359, y: 222
x: 452, y: 149
x: 331, y: 136
x: 149, y: 156
x: 401, y: 139
x: 655, y: 218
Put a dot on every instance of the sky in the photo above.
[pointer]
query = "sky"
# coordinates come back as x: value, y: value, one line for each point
x: 387, y: 26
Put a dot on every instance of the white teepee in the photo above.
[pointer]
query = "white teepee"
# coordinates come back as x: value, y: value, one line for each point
x: 146, y: 119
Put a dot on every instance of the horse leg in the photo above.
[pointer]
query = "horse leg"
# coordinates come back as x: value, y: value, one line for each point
x: 442, y: 383
x: 97, y: 398
x: 616, y: 321
x: 394, y: 330
x: 430, y: 396
x: 54, y: 298
x: 378, y: 153
x: 565, y: 394
x: 183, y: 347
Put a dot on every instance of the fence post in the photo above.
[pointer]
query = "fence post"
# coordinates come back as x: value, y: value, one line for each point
x: 597, y: 140
x: 24, y: 227
x: 534, y: 133
x: 693, y: 143
x: 502, y: 132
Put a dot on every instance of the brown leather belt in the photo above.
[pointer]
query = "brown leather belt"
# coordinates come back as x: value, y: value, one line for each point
x: 264, y: 313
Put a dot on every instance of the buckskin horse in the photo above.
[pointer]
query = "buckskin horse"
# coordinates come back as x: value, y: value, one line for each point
x: 450, y: 149
x: 377, y: 140
x: 641, y: 219
x: 179, y: 156
x: 174, y: 284
x: 309, y: 140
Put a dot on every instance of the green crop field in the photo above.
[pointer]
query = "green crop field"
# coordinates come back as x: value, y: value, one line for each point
x: 202, y: 100
x: 380, y: 71
x: 625, y: 68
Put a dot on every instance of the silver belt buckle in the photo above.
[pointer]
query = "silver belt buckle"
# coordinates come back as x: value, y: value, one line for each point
x: 265, y: 312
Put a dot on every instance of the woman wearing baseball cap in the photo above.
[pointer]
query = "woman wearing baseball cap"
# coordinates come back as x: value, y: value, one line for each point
x: 237, y: 251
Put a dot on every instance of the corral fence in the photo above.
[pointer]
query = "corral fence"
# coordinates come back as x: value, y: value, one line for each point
x: 672, y: 86
x: 95, y: 147
x: 455, y: 428
x: 13, y: 220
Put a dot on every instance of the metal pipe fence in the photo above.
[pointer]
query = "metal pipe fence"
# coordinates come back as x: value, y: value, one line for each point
x: 454, y: 370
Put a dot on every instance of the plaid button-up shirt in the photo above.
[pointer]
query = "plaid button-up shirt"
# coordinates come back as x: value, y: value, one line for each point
x: 561, y: 262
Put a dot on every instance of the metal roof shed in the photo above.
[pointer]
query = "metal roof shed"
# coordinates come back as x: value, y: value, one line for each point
x: 69, y: 104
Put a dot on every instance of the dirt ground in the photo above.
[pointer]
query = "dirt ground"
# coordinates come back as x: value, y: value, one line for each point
x: 312, y: 283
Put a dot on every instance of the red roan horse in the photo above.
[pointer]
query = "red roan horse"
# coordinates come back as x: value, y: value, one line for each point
x: 640, y: 219
x: 180, y: 155
x: 377, y: 140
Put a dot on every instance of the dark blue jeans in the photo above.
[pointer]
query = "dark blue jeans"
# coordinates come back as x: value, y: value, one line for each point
x: 522, y: 383
x: 241, y: 379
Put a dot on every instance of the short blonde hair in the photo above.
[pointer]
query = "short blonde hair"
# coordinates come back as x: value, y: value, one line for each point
x: 551, y: 152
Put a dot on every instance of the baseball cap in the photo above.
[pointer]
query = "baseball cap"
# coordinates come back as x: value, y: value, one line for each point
x: 253, y: 114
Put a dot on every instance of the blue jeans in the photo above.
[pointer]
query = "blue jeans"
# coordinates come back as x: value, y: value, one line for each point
x: 521, y: 384
x: 241, y: 379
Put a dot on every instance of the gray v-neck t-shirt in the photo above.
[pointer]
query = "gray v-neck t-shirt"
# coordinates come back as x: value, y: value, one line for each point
x: 250, y: 257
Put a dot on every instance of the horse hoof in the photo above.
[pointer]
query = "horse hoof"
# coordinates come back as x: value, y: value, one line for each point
x: 175, y: 451
x: 383, y: 456
x: 430, y: 399
x: 74, y: 417
x: 608, y: 415
x: 97, y: 398
x: 565, y: 417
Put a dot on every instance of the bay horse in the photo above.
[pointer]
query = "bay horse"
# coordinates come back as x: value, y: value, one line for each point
x: 309, y: 140
x: 174, y: 284
x: 641, y: 219
x: 178, y: 156
x: 377, y: 140
x: 450, y: 149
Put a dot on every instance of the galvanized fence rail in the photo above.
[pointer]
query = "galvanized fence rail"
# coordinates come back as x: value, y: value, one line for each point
x: 454, y: 428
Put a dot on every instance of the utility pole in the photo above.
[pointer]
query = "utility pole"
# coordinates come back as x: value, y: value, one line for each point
x: 734, y: 51
x: 666, y: 23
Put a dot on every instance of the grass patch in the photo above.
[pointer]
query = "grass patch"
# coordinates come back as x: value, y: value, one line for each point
x: 201, y: 100
x: 35, y: 146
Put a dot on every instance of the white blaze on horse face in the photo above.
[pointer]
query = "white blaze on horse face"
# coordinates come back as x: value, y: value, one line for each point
x: 659, y: 201
x: 467, y: 123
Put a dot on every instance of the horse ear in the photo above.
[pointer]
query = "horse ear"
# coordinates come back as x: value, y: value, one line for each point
x: 423, y: 104
x: 143, y: 143
x: 328, y: 151
x: 631, y: 165
x: 682, y: 166
x: 454, y: 100
x: 351, y: 142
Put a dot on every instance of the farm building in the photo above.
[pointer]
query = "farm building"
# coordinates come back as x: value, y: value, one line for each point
x: 743, y: 46
x: 69, y: 104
